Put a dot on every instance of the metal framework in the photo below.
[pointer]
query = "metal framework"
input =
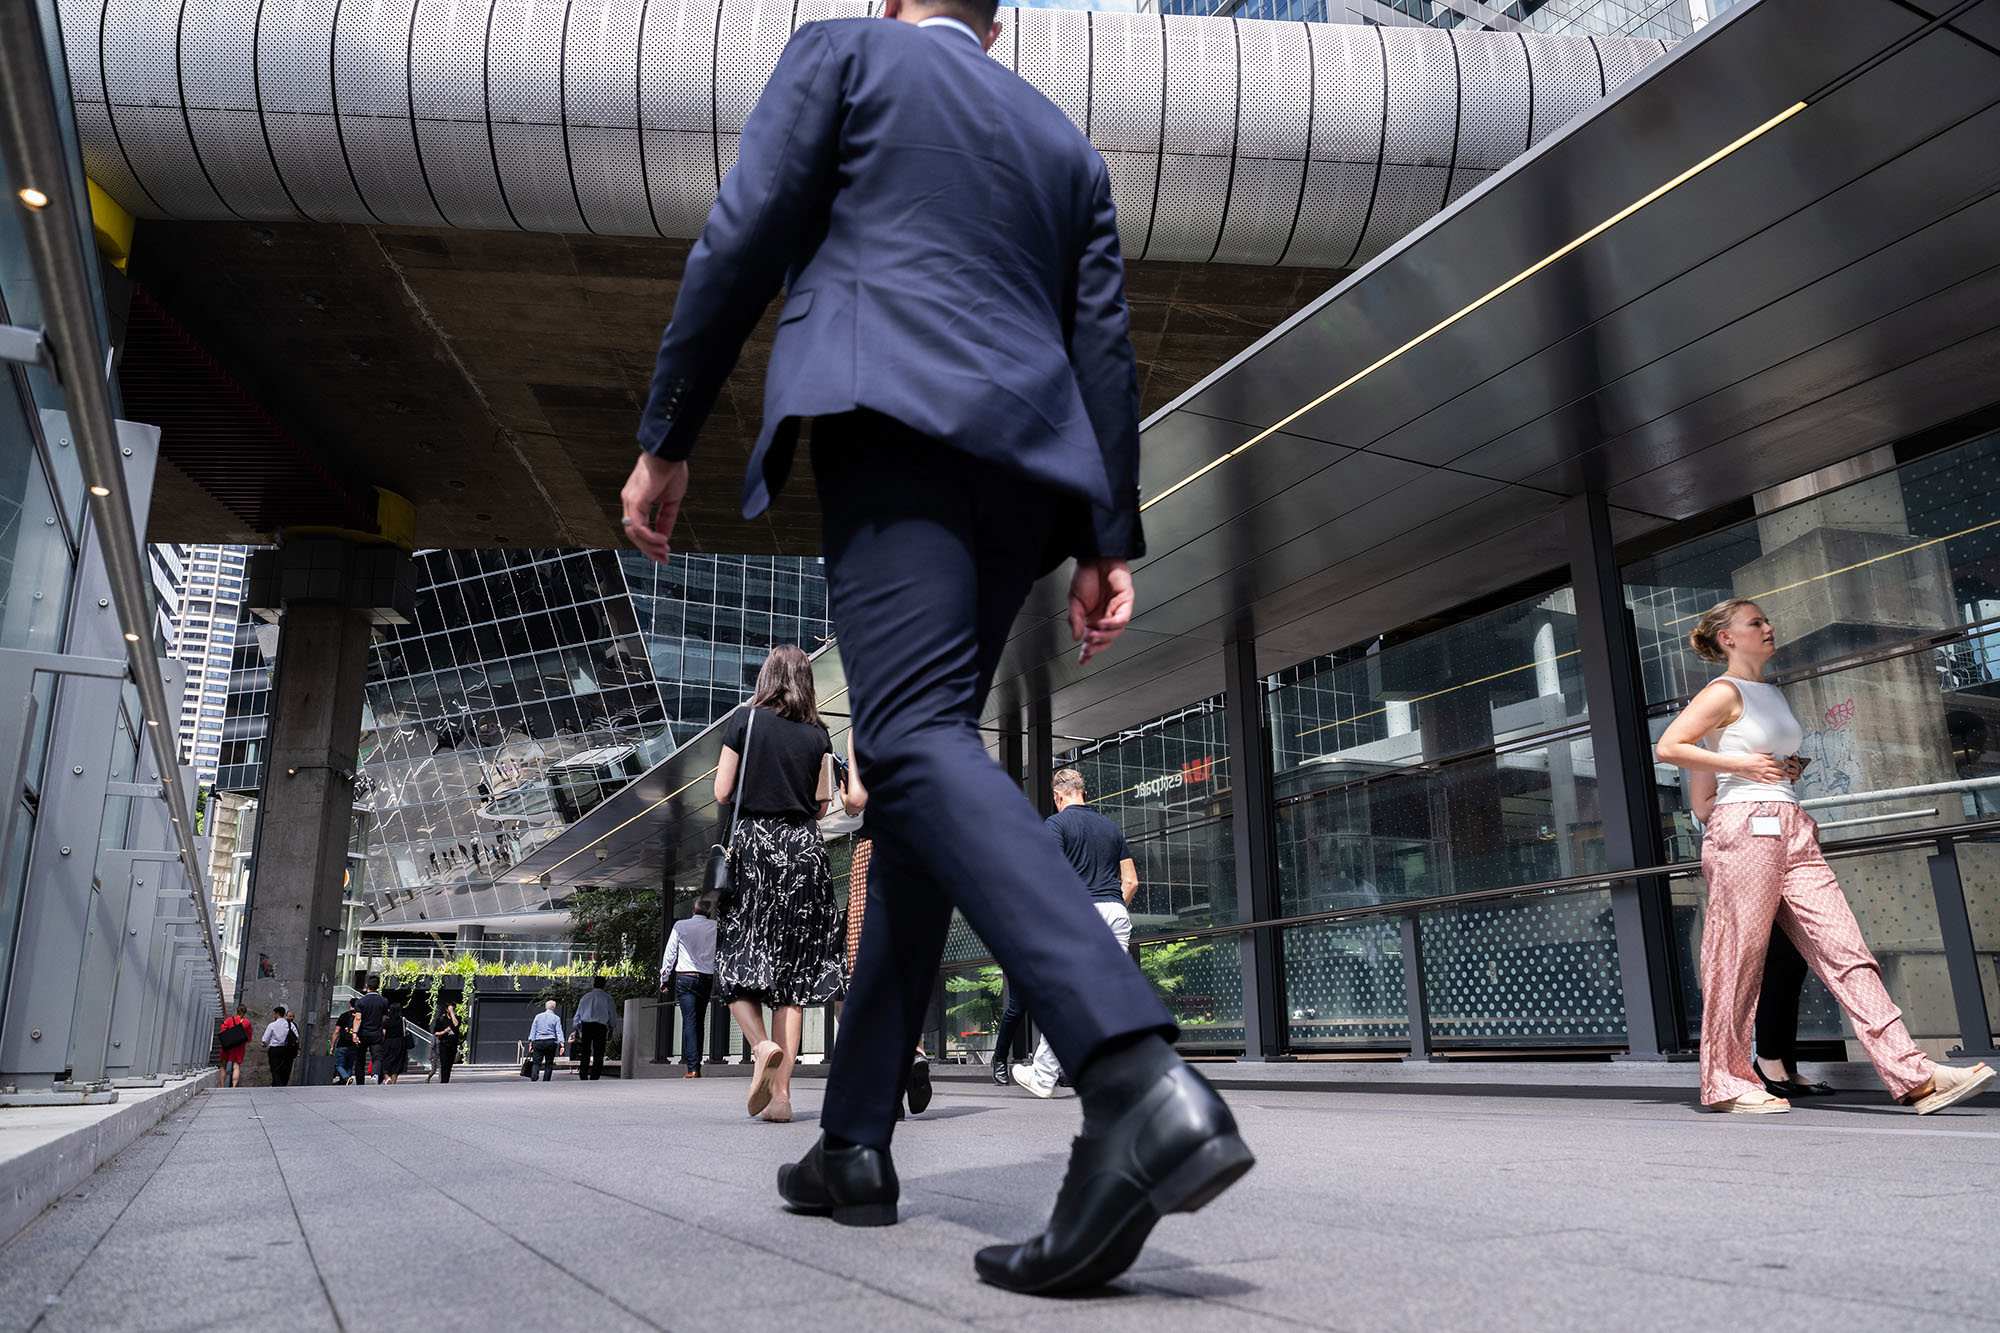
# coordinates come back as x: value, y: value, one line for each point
x: 1228, y: 140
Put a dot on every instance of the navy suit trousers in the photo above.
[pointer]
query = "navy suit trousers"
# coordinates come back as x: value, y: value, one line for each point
x: 929, y: 555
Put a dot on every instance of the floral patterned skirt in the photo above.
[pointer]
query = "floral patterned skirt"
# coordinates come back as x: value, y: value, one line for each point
x: 780, y: 933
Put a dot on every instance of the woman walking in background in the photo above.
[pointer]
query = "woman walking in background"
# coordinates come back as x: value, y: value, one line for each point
x: 347, y: 1045
x: 235, y: 1041
x: 778, y: 933
x: 395, y: 1045
x: 1762, y: 861
x: 444, y: 1036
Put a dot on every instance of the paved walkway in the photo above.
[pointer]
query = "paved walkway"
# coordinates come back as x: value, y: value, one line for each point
x: 492, y: 1204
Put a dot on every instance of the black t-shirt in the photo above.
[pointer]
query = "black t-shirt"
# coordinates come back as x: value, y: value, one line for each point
x: 1094, y: 847
x: 373, y: 1005
x: 781, y: 775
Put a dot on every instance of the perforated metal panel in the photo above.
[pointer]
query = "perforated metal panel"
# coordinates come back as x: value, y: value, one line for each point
x: 677, y: 110
x: 1245, y: 142
x: 295, y: 83
x: 1567, y: 81
x: 372, y: 89
x: 1624, y: 57
x: 218, y: 79
x: 1199, y: 138
x: 448, y: 93
x: 524, y: 74
x: 1346, y: 145
x: 1273, y: 120
x: 752, y: 38
x: 143, y: 93
x: 1494, y: 101
x: 1008, y: 49
x: 1054, y: 55
x: 1422, y: 102
x: 1126, y: 58
x: 601, y: 107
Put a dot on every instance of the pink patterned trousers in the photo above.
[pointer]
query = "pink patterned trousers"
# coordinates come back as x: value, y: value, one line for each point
x: 1754, y: 879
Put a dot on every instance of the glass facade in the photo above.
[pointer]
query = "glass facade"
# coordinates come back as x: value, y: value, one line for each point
x: 1440, y: 785
x: 530, y: 687
x: 1886, y: 597
x: 1667, y: 20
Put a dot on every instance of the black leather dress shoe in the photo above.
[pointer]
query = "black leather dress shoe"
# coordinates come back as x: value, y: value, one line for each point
x: 1164, y: 1144
x: 855, y: 1186
x: 1002, y: 1075
x: 918, y: 1094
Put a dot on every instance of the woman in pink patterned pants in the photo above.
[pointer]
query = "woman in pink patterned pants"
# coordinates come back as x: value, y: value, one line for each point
x: 1762, y: 861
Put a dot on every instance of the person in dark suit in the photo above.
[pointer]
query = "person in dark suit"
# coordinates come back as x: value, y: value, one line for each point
x: 955, y: 327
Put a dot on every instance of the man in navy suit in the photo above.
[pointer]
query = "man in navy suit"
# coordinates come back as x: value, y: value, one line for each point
x: 955, y: 329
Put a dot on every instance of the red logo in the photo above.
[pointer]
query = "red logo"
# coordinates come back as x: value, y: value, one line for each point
x: 1198, y: 770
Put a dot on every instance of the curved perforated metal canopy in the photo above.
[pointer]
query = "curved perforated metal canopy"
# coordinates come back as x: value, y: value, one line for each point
x: 1228, y: 140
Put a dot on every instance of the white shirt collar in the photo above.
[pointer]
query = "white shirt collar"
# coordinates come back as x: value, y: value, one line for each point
x: 946, y: 21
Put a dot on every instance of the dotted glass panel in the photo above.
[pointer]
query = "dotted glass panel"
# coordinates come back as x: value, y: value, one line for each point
x: 1344, y: 985
x: 1202, y: 984
x: 1534, y: 972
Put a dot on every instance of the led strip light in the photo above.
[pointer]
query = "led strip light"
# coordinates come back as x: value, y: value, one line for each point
x: 1502, y: 289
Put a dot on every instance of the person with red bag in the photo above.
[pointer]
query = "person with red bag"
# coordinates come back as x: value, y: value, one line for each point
x: 235, y: 1041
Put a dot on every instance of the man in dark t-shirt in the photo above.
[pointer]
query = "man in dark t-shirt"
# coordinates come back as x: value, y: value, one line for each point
x: 373, y: 1005
x: 1096, y: 848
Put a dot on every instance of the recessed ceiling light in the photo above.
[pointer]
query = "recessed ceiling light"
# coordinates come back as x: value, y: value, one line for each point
x: 34, y: 198
x: 100, y: 491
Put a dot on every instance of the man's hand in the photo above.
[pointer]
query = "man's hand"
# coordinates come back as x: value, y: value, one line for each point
x: 1100, y: 605
x: 652, y: 497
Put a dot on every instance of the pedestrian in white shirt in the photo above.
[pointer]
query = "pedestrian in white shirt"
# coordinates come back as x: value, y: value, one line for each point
x: 545, y: 1039
x: 594, y: 1016
x: 281, y: 1046
x: 687, y: 973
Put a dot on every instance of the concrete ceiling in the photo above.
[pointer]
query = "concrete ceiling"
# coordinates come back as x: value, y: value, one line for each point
x: 495, y: 379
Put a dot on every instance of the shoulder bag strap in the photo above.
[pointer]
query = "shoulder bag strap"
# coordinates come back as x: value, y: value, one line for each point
x: 742, y: 771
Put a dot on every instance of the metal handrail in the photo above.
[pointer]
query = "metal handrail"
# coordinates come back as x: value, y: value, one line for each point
x: 1883, y: 842
x: 32, y: 133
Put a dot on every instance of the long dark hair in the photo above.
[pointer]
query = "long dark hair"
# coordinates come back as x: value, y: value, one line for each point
x: 785, y: 685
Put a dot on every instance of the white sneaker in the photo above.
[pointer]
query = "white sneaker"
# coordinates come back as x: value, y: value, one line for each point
x: 1027, y: 1076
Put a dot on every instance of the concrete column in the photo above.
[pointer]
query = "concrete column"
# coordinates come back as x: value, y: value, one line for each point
x: 331, y: 593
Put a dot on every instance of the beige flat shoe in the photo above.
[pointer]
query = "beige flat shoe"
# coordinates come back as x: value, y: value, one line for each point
x: 1753, y: 1103
x: 779, y: 1112
x: 763, y: 1066
x: 1951, y: 1085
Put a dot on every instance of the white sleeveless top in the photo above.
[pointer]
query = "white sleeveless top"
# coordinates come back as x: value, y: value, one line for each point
x: 1766, y: 727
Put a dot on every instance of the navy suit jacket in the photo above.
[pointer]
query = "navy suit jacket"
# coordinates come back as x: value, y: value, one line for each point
x: 947, y: 241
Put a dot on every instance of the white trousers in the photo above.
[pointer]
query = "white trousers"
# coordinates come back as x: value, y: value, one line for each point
x: 1047, y: 1067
